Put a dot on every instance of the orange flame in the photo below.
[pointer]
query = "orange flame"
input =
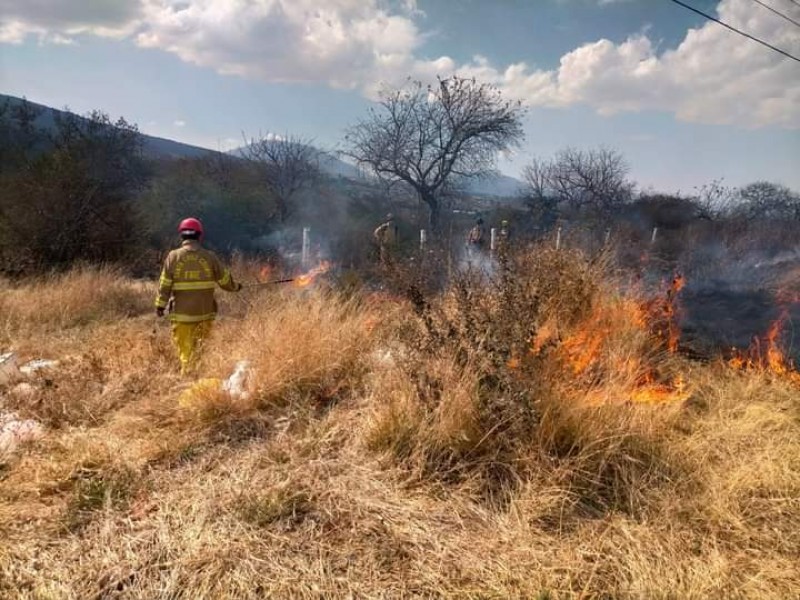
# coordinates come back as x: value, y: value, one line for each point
x: 584, y: 347
x: 770, y: 360
x: 673, y: 331
x: 651, y: 391
x: 308, y: 278
x: 590, y: 350
x: 265, y: 273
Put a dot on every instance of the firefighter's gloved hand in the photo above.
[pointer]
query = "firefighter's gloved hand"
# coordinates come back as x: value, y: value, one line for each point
x: 160, y: 311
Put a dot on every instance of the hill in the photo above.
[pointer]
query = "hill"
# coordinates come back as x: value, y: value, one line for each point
x: 496, y: 186
x: 493, y: 186
x: 152, y: 146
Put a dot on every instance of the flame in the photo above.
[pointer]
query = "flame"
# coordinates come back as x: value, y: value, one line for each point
x: 589, y: 350
x: 265, y: 273
x: 648, y: 391
x: 670, y: 312
x: 308, y: 278
x: 651, y: 391
x: 584, y: 347
x: 767, y: 356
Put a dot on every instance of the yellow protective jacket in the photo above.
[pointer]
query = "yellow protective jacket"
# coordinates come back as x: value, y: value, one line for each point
x: 386, y: 233
x: 190, y: 275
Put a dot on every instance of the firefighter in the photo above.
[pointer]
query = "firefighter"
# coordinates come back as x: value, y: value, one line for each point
x: 187, y: 283
x: 386, y: 236
x: 504, y: 234
x: 477, y: 235
x: 476, y: 238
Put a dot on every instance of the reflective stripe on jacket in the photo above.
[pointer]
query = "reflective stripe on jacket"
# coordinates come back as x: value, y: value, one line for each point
x: 386, y: 233
x: 190, y: 275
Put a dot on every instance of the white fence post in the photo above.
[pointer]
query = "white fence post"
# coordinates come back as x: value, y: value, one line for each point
x: 304, y: 257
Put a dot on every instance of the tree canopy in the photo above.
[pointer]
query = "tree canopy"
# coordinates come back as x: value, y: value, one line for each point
x: 428, y: 137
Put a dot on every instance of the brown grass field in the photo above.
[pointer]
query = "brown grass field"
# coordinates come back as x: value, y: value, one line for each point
x: 532, y: 438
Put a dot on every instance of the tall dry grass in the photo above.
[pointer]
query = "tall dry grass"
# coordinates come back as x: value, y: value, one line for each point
x: 73, y: 299
x: 449, y: 452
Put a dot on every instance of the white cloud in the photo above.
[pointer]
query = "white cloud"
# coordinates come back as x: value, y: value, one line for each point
x: 59, y: 21
x: 179, y: 123
x: 345, y: 43
x: 712, y: 76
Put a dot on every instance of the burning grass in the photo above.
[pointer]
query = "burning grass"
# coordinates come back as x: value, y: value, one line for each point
x: 496, y: 440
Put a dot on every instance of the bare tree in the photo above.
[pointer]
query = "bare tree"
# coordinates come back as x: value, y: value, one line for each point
x: 714, y: 200
x: 593, y: 181
x: 765, y: 200
x: 288, y: 164
x: 429, y: 136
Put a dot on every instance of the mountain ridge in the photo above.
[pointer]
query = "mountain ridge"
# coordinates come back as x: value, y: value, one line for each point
x: 498, y: 186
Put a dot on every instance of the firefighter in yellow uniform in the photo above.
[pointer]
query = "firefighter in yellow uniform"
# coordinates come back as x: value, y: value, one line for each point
x: 187, y: 283
x: 386, y: 236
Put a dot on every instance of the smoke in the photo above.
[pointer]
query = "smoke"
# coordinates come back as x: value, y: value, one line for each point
x: 478, y: 260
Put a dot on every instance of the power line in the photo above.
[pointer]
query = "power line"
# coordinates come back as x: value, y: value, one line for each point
x: 747, y: 35
x: 780, y: 14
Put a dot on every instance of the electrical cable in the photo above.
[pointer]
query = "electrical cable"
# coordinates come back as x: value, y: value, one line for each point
x: 740, y: 32
x: 780, y: 14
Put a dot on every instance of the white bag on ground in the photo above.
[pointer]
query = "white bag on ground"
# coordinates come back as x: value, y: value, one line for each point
x: 15, y: 431
x: 238, y: 383
x: 8, y: 367
x: 34, y: 366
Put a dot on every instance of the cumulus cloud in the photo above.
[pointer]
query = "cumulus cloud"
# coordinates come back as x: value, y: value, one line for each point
x: 179, y: 123
x: 712, y: 76
x: 59, y: 21
x: 345, y: 43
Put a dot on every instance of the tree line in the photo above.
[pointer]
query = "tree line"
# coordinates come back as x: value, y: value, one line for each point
x: 84, y: 189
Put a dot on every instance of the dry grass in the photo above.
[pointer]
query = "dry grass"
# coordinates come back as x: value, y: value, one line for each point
x: 74, y: 299
x: 384, y: 453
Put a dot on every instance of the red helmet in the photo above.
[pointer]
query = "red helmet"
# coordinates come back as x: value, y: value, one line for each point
x: 191, y: 224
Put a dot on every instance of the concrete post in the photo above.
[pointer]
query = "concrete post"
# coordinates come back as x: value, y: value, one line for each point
x: 305, y: 256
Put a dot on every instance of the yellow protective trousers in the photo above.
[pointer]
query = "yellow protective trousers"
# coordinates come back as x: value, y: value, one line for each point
x: 188, y: 338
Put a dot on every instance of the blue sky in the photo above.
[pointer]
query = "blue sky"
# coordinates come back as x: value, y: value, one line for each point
x: 685, y: 100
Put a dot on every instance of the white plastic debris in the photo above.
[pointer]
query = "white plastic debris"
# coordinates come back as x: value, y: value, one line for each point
x: 8, y: 367
x: 384, y: 357
x: 23, y: 389
x: 15, y: 431
x: 37, y: 365
x: 237, y: 384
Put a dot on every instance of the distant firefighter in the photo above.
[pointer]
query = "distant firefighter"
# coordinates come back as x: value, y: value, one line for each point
x: 386, y: 236
x: 187, y: 283
x: 504, y: 235
x: 476, y: 238
x: 477, y: 235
